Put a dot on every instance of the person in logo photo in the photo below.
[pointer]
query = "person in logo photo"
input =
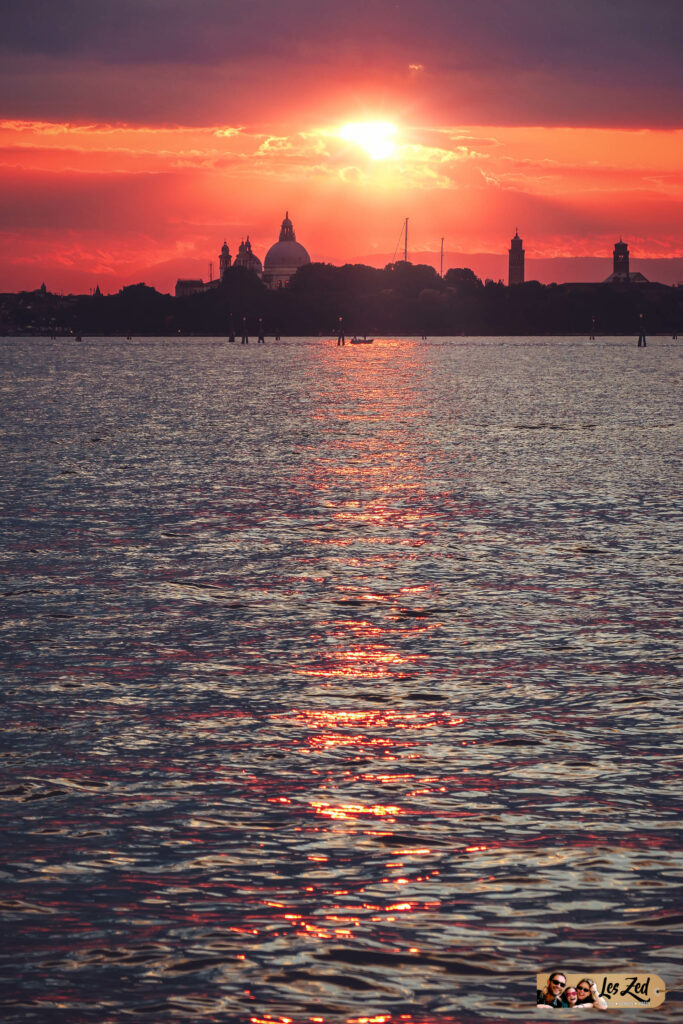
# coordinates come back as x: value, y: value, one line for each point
x: 551, y: 995
x: 570, y: 997
x: 589, y: 996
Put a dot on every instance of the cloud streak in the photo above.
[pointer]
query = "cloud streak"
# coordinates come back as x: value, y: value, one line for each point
x: 528, y: 62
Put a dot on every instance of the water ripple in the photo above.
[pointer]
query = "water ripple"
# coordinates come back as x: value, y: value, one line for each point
x: 339, y: 686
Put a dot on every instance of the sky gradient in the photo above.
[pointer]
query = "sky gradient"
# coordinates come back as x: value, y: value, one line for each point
x: 136, y: 135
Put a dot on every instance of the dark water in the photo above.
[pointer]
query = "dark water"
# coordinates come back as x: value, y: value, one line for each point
x: 339, y: 684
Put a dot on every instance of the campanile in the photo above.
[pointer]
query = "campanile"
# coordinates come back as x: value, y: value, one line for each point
x: 516, y: 260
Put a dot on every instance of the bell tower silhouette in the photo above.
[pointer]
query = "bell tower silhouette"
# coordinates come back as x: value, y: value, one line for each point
x: 516, y: 260
x: 224, y: 260
x: 620, y: 264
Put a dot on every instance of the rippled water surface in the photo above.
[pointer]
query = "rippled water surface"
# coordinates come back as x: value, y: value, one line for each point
x: 339, y: 683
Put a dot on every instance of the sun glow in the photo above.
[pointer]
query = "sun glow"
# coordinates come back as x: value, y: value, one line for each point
x: 375, y: 137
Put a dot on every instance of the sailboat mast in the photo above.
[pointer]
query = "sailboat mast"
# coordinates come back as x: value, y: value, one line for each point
x: 405, y: 248
x: 441, y: 258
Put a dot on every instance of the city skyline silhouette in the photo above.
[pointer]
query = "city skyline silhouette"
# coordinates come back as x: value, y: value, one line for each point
x: 135, y: 135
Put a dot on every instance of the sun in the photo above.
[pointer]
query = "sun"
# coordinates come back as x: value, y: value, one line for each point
x: 375, y: 137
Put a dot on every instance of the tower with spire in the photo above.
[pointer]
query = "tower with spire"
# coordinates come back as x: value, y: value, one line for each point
x: 620, y: 259
x: 247, y: 259
x: 224, y: 260
x: 516, y: 260
x: 287, y: 230
x: 621, y: 269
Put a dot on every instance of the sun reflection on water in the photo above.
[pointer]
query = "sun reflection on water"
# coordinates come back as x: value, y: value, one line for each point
x: 353, y: 811
x: 337, y: 686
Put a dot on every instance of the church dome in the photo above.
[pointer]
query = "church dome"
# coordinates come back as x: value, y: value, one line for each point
x: 285, y: 257
x: 286, y: 254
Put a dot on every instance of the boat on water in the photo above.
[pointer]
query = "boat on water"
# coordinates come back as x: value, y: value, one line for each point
x: 361, y: 341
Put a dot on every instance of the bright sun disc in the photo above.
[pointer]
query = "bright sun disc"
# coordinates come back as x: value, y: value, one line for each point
x: 375, y: 137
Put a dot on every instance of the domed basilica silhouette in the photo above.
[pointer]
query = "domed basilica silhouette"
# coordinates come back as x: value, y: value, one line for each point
x: 282, y: 261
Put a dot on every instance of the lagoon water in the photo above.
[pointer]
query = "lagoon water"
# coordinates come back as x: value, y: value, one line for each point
x: 339, y: 683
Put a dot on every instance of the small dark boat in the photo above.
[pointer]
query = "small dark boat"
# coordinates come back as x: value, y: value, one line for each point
x: 361, y: 341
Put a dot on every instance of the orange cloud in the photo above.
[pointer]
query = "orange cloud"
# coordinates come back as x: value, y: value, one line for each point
x: 154, y: 202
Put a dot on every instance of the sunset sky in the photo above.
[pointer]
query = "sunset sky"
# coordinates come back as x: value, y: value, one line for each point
x: 135, y: 135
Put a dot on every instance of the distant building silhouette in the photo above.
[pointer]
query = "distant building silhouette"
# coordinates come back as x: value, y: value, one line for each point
x: 192, y: 286
x: 195, y: 285
x: 516, y: 260
x: 246, y: 258
x: 282, y: 262
x: 621, y: 273
x: 224, y: 260
x: 284, y: 258
x: 620, y: 259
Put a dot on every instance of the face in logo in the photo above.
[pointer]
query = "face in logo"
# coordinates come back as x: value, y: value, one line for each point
x: 556, y: 984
